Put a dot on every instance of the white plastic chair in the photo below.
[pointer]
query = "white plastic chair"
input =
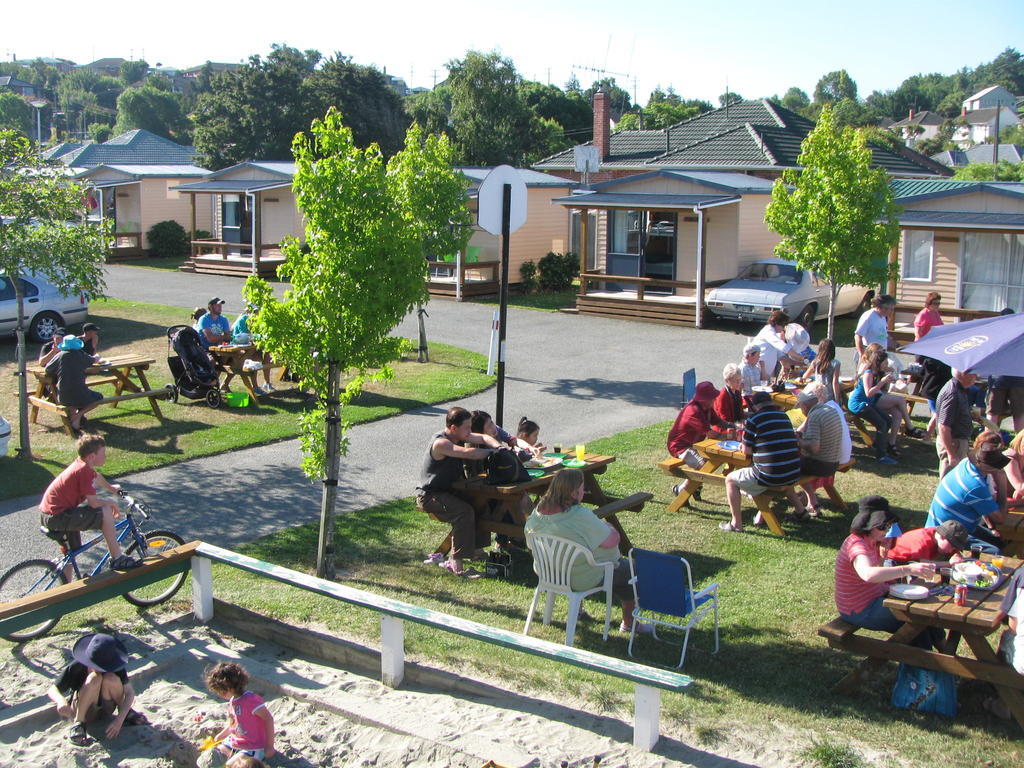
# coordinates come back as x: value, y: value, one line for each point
x: 553, y: 558
x: 663, y: 588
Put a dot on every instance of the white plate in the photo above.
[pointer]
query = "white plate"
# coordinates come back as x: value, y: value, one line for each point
x: 544, y: 463
x: 762, y: 388
x: 729, y: 445
x: 968, y: 571
x: 908, y: 591
x: 790, y: 385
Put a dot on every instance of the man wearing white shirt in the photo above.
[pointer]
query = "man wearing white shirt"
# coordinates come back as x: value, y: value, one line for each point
x: 873, y: 326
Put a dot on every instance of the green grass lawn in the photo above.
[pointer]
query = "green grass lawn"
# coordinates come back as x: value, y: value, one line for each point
x: 772, y: 675
x: 137, y: 440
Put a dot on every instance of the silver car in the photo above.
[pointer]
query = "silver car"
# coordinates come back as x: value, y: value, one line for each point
x: 46, y: 308
x: 770, y: 284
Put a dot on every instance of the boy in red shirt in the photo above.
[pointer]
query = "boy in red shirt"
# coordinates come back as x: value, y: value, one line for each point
x: 70, y: 503
x: 939, y: 543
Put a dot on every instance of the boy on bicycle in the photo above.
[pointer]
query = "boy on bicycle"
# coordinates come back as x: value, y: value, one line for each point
x: 70, y: 503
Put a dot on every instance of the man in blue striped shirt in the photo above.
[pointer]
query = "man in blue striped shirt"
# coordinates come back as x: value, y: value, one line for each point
x: 964, y: 493
x: 769, y: 441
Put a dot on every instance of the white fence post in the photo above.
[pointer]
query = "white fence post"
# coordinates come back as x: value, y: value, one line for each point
x: 202, y: 588
x: 646, y: 714
x: 392, y: 651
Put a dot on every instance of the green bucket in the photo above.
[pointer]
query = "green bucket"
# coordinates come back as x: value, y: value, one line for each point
x: 236, y: 399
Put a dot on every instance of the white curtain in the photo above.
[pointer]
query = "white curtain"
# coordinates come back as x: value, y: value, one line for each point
x: 992, y: 272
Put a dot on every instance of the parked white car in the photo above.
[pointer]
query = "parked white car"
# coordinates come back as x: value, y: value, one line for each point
x: 46, y: 308
x: 770, y: 284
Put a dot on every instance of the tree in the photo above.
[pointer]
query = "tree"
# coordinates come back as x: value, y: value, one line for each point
x: 796, y: 100
x: 491, y: 122
x: 253, y: 112
x: 431, y: 109
x: 835, y: 214
x: 1004, y: 170
x: 373, y: 109
x: 42, y: 230
x: 132, y: 72
x: 360, y: 271
x: 100, y: 132
x: 657, y: 115
x: 155, y: 110
x: 618, y: 98
x: 569, y: 109
x: 729, y: 97
x: 835, y: 86
x: 16, y: 114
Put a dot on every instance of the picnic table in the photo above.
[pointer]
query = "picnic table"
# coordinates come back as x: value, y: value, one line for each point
x: 509, y: 497
x: 117, y: 370
x: 230, y: 358
x: 1012, y: 532
x: 974, y: 623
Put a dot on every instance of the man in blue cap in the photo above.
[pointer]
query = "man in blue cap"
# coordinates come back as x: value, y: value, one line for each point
x: 93, y: 686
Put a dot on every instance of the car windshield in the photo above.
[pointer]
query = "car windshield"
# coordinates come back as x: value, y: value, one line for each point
x: 771, y: 273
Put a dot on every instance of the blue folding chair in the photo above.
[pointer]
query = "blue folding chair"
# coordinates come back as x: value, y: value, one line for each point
x: 689, y: 386
x: 663, y: 588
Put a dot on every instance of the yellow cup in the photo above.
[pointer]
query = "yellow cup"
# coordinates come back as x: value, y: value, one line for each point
x: 998, y: 561
x: 581, y: 451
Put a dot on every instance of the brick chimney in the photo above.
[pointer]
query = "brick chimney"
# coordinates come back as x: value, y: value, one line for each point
x: 911, y: 115
x: 602, y: 123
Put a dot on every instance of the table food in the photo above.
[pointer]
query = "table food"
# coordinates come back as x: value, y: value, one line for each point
x: 974, y: 573
x: 574, y: 463
x: 547, y: 462
x: 908, y: 591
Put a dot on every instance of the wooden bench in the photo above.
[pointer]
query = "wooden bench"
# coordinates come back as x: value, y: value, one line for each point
x: 648, y: 681
x: 67, y: 598
x: 608, y: 512
x: 62, y: 410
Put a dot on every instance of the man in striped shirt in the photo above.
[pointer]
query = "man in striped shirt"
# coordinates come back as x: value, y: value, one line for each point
x: 965, y: 495
x: 769, y: 441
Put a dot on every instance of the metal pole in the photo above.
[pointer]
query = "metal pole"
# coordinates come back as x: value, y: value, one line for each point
x: 506, y: 212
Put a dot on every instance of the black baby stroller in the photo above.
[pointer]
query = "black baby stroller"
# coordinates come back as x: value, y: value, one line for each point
x: 194, y: 376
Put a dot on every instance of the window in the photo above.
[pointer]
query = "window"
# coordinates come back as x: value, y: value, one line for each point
x: 992, y: 271
x: 625, y: 232
x: 232, y: 210
x: 918, y: 248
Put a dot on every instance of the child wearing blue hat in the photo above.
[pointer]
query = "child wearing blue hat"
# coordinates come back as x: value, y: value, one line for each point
x: 93, y: 686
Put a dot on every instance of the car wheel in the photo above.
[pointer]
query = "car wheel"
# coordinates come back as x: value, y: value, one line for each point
x: 806, y: 318
x: 43, y: 326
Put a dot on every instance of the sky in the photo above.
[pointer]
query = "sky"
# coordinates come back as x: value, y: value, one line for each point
x: 759, y: 48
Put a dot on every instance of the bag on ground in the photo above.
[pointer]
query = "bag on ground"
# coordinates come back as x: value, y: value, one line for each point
x: 925, y: 690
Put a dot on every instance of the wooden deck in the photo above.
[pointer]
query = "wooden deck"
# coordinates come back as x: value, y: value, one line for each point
x: 666, y: 302
x: 477, y: 279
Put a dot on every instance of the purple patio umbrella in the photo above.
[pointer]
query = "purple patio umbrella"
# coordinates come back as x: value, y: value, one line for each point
x: 992, y: 346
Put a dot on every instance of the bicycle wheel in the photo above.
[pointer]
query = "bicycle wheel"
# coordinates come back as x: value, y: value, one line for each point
x: 153, y: 594
x: 29, y: 578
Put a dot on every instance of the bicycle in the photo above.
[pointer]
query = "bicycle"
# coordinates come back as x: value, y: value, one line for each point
x: 34, y: 576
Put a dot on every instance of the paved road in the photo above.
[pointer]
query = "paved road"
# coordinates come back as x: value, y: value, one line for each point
x: 578, y: 377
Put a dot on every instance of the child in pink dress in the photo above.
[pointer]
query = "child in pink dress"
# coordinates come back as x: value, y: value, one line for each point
x: 250, y: 728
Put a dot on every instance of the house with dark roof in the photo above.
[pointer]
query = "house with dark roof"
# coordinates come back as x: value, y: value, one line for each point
x: 757, y: 137
x: 19, y: 86
x: 980, y: 153
x: 918, y: 125
x: 679, y: 210
x: 980, y: 125
x: 135, y: 197
x: 135, y: 147
x: 963, y: 239
x: 111, y: 66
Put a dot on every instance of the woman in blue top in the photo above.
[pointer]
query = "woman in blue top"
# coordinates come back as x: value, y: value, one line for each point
x: 864, y: 399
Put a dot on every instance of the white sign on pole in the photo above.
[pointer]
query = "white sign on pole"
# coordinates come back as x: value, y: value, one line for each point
x: 491, y: 199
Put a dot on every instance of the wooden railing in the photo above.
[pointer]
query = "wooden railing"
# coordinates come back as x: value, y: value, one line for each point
x: 641, y: 283
x: 209, y: 247
x: 649, y: 681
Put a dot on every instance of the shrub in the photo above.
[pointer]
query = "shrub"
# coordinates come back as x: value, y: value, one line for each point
x: 528, y: 277
x: 202, y: 234
x: 557, y: 271
x: 167, y: 239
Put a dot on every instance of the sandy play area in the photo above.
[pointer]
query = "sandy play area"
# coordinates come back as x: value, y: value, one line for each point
x: 325, y: 716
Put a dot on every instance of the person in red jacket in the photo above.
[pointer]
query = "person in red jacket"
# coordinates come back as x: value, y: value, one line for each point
x: 942, y: 542
x: 729, y: 402
x: 695, y: 419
